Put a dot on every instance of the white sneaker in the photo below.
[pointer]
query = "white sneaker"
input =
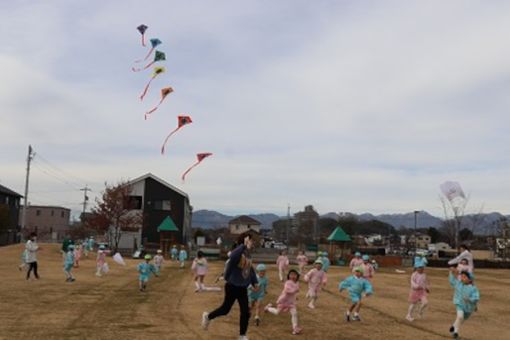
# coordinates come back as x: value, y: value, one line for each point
x: 205, y: 320
x: 311, y: 306
x: 409, y: 318
x: 243, y: 337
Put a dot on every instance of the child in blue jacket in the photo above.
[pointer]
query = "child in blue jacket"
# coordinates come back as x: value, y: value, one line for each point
x: 465, y: 297
x: 356, y: 285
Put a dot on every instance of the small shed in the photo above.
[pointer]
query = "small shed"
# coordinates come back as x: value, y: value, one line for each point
x: 338, y: 240
x: 167, y: 234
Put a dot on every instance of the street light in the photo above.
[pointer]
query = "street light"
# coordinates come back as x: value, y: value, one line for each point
x: 416, y: 212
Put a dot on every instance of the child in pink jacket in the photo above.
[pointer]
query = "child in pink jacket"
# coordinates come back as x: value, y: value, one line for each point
x: 282, y: 262
x: 302, y: 261
x: 368, y: 269
x: 287, y: 300
x: 356, y: 261
x: 418, y: 292
x: 316, y: 279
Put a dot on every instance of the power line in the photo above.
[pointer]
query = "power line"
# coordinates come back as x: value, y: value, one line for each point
x: 65, y: 173
x: 58, y: 178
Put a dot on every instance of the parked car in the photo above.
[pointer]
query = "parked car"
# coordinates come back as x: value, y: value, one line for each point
x: 279, y: 245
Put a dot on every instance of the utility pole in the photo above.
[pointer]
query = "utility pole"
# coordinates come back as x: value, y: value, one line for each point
x: 30, y: 156
x: 85, y: 197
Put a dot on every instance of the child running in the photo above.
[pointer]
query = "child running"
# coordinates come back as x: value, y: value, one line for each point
x: 465, y: 298
x: 199, y: 268
x: 173, y: 253
x: 356, y: 286
x: 69, y: 263
x: 325, y: 261
x: 302, y: 261
x: 183, y: 256
x: 77, y: 255
x: 101, y: 264
x: 316, y: 279
x: 287, y: 300
x: 418, y: 292
x: 158, y: 260
x: 145, y: 269
x: 256, y: 293
x: 368, y: 269
x: 282, y: 262
x: 356, y: 261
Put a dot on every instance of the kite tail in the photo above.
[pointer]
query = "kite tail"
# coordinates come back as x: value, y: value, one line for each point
x: 166, y: 140
x: 189, y: 169
x: 145, y: 67
x: 153, y: 109
x: 143, y: 40
x: 146, y: 89
x: 146, y: 57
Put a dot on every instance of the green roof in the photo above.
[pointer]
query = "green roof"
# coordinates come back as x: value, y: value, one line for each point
x: 339, y: 235
x: 167, y: 225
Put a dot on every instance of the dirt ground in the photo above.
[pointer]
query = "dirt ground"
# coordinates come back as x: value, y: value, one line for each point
x: 111, y: 307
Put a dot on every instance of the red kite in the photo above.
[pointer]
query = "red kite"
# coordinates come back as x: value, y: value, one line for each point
x: 181, y: 121
x: 200, y: 158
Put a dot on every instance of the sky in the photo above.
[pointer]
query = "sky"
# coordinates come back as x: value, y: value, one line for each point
x: 350, y: 106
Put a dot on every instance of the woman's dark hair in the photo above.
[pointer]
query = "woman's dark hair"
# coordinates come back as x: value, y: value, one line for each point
x: 200, y: 253
x: 293, y: 271
x: 33, y: 234
x: 464, y: 246
x: 240, y: 239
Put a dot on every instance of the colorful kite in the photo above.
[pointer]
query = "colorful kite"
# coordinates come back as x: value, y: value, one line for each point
x: 164, y: 92
x: 158, y: 56
x: 154, y: 43
x: 142, y: 29
x: 157, y: 70
x: 200, y: 158
x: 181, y: 121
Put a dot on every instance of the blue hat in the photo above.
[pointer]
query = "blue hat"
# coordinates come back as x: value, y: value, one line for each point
x: 419, y: 262
x: 357, y: 253
x: 365, y: 257
x: 261, y: 267
x: 324, y: 253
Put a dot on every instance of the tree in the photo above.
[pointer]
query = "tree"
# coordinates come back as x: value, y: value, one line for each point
x: 114, y: 213
x: 434, y: 233
x: 465, y: 234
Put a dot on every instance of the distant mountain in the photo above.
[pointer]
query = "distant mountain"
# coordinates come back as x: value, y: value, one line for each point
x: 208, y: 219
x: 484, y: 223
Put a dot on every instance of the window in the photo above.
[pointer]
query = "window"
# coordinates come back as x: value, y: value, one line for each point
x: 162, y: 205
x: 52, y: 213
x: 134, y: 202
x: 38, y: 212
x: 62, y: 214
x: 6, y: 199
x: 237, y: 226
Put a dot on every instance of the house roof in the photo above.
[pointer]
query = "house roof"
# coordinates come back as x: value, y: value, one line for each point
x: 30, y: 206
x: 157, y: 179
x: 167, y: 225
x: 243, y: 219
x: 339, y: 235
x: 5, y: 190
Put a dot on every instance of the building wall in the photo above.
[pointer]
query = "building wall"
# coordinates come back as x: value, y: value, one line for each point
x: 50, y: 223
x: 11, y: 207
x: 161, y: 201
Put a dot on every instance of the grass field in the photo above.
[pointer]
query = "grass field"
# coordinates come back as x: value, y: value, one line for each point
x: 111, y: 307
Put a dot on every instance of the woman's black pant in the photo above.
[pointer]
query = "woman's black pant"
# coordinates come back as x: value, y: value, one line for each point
x: 32, y: 266
x: 233, y: 293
